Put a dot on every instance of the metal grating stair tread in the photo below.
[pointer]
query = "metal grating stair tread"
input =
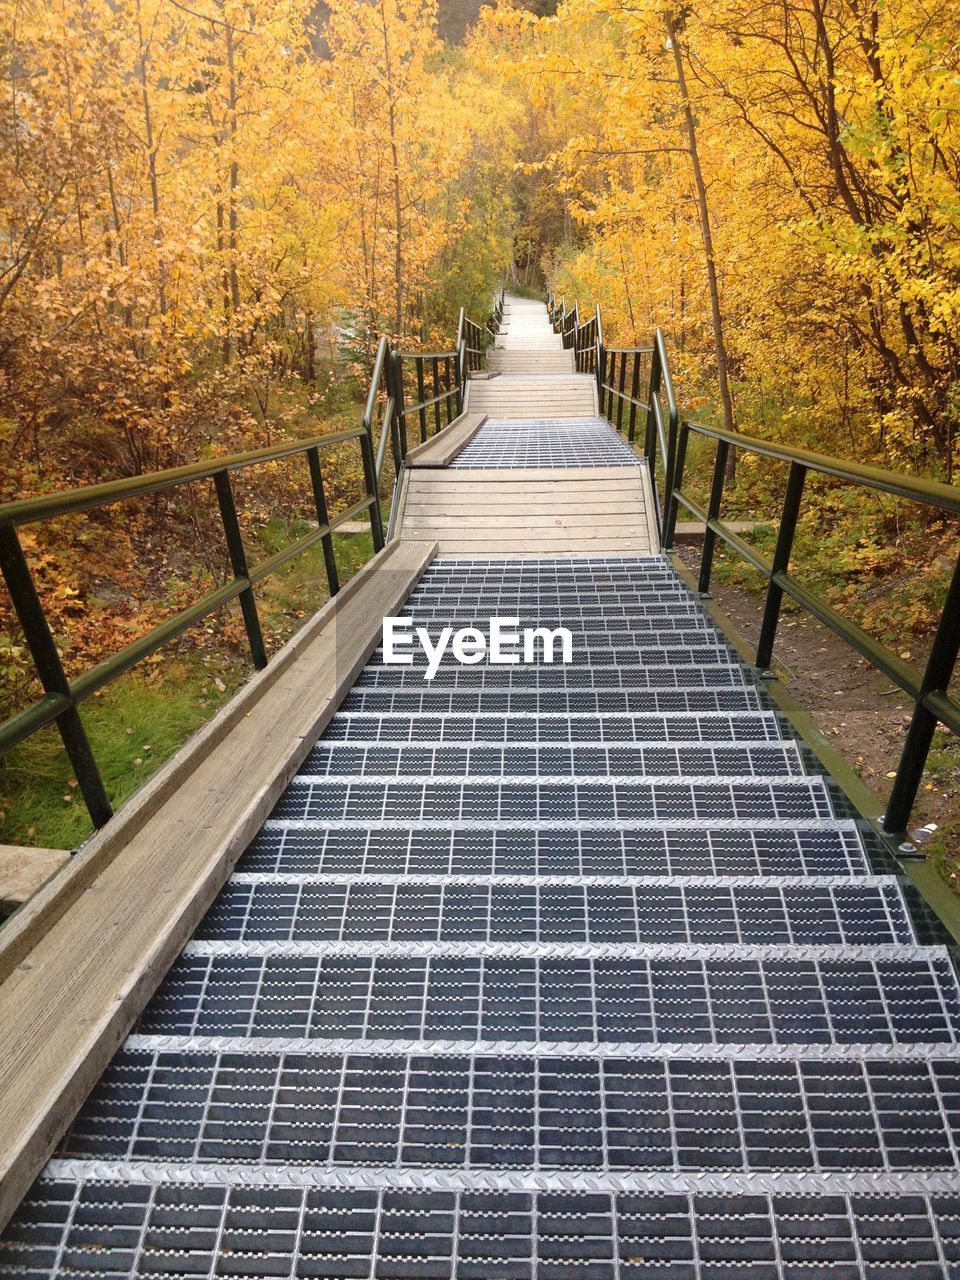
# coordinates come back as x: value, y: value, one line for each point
x: 562, y: 442
x: 805, y: 849
x: 536, y: 973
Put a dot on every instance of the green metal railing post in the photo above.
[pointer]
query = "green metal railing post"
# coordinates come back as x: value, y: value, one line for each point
x: 370, y: 483
x: 781, y: 563
x: 238, y: 562
x: 634, y: 397
x: 395, y: 360
x: 936, y: 679
x: 662, y: 363
x: 670, y: 496
x: 323, y: 517
x: 421, y: 397
x: 435, y: 370
x: 461, y: 361
x: 53, y: 678
x: 713, y: 513
x: 621, y: 383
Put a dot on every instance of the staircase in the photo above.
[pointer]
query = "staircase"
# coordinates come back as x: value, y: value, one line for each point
x: 536, y: 973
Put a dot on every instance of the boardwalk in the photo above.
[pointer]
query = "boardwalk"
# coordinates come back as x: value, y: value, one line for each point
x: 536, y: 972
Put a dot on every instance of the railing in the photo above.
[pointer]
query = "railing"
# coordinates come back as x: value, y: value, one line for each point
x: 436, y: 379
x: 621, y: 373
x: 496, y: 319
x: 425, y: 387
x: 928, y: 690
x: 63, y: 696
x: 472, y: 338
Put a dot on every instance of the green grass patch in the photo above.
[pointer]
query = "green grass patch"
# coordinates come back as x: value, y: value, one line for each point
x: 138, y: 722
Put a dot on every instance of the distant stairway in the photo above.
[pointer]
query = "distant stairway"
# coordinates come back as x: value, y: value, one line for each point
x: 537, y: 972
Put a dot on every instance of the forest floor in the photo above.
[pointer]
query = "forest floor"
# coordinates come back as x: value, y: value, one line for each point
x: 857, y: 709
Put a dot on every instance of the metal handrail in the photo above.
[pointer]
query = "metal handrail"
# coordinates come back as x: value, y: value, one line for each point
x: 667, y: 436
x: 928, y: 690
x: 61, y: 695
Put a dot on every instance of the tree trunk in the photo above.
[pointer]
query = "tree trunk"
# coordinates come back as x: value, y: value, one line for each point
x: 234, y: 178
x: 397, y: 198
x: 726, y: 400
x: 150, y: 144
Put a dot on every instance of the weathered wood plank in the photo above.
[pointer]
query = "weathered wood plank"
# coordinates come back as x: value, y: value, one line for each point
x: 82, y: 959
x: 441, y: 449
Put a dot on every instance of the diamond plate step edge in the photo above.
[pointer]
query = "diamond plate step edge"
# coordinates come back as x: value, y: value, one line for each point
x: 793, y: 781
x: 319, y: 1047
x: 148, y: 1173
x: 568, y: 881
x: 575, y: 950
x: 569, y: 824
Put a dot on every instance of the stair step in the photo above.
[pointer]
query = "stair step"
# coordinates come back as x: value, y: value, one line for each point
x: 790, y: 1000
x: 526, y: 848
x: 647, y: 912
x: 423, y: 757
x: 432, y: 701
x: 535, y: 1113
x: 673, y: 727
x: 591, y: 800
x: 491, y: 1224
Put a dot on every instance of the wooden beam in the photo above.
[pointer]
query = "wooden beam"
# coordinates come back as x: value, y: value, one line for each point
x: 441, y: 449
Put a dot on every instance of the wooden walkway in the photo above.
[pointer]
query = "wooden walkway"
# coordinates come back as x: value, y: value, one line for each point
x: 541, y: 474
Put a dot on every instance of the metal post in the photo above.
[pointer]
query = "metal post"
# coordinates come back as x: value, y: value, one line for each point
x: 320, y: 501
x: 670, y: 497
x: 620, y: 386
x: 396, y: 366
x: 448, y: 388
x: 653, y: 389
x: 781, y: 562
x: 936, y: 678
x: 713, y: 512
x: 435, y: 370
x: 370, y: 483
x: 421, y: 396
x: 53, y: 678
x: 634, y: 397
x: 238, y: 562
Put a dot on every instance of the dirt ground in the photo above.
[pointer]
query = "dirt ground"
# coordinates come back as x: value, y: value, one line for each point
x: 853, y: 705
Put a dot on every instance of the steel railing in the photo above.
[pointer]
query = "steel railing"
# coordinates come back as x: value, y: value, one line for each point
x: 439, y: 380
x: 62, y: 696
x: 621, y: 375
x: 427, y: 387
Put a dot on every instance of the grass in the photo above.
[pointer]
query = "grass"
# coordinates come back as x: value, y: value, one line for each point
x: 143, y: 718
x: 136, y: 724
